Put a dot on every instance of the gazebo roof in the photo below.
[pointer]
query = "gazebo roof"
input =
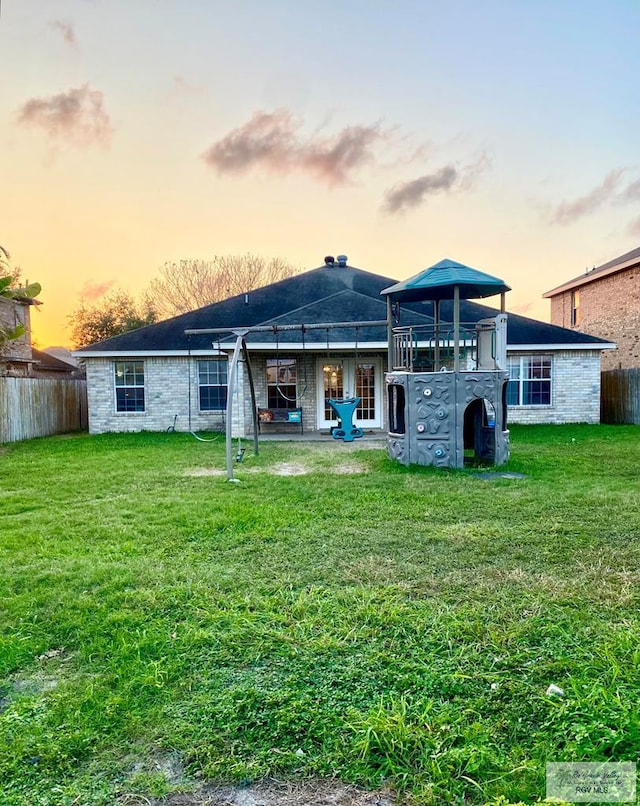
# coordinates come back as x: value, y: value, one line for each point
x: 439, y: 282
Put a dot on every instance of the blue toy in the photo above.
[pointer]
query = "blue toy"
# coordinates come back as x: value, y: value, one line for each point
x: 345, y: 409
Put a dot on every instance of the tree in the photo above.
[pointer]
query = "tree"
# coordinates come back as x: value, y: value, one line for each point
x: 5, y: 265
x: 9, y: 289
x: 114, y: 314
x: 191, y: 284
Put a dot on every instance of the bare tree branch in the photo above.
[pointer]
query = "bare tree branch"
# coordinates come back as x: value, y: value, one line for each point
x: 190, y: 284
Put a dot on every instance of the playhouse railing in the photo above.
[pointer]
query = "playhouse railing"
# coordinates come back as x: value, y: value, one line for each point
x: 427, y: 348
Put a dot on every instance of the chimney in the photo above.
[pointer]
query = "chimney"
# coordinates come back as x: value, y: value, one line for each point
x: 342, y: 261
x: 329, y: 260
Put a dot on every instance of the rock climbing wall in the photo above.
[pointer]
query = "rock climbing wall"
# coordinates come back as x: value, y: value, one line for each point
x: 430, y: 429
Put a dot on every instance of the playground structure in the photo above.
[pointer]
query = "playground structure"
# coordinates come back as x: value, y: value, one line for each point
x: 446, y: 383
x: 447, y: 386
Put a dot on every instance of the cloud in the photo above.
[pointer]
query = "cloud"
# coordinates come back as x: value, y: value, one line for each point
x: 631, y: 192
x: 333, y: 159
x: 522, y: 309
x: 66, y: 30
x: 406, y: 195
x: 272, y: 140
x: 634, y: 228
x: 182, y: 85
x: 268, y: 139
x: 569, y: 211
x: 471, y: 172
x: 77, y: 116
x: 93, y: 291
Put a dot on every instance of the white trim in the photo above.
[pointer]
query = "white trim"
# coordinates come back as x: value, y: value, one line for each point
x: 149, y: 353
x: 311, y: 347
x: 531, y: 348
x: 316, y: 346
x: 521, y: 380
x: 200, y: 386
x: 142, y: 386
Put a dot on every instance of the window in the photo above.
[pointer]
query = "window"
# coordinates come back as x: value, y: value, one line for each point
x: 366, y: 391
x: 129, y: 382
x: 212, y: 384
x: 529, y: 381
x: 281, y: 383
x: 575, y: 308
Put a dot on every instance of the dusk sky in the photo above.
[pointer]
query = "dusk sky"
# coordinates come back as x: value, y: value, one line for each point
x: 504, y: 134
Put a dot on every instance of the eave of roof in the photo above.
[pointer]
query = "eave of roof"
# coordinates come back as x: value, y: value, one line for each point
x: 51, y: 362
x: 626, y: 261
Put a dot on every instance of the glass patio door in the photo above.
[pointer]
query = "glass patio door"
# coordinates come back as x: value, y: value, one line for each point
x: 340, y: 379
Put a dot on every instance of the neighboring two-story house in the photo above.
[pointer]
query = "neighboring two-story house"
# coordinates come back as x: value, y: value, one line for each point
x: 16, y: 354
x: 604, y: 302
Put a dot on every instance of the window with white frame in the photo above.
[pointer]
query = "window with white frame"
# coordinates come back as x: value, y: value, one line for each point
x: 129, y: 384
x: 575, y: 308
x: 529, y: 380
x: 282, y: 387
x: 212, y: 384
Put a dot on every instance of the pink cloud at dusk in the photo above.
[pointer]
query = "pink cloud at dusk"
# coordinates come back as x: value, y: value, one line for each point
x: 77, y: 117
x: 65, y: 29
x: 569, y: 211
x: 405, y: 195
x: 272, y: 140
x: 631, y: 192
x: 91, y: 291
x: 634, y: 228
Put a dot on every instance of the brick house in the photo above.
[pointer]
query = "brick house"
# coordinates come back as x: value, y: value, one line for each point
x: 46, y: 365
x: 604, y: 302
x: 157, y: 376
x: 16, y: 355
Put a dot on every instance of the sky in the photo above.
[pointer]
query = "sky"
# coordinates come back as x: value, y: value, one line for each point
x: 504, y: 134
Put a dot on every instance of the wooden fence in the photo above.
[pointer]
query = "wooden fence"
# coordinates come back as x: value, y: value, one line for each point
x: 620, y: 396
x: 38, y: 407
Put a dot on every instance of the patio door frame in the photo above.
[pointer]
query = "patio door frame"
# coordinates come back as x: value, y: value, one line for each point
x: 348, y: 384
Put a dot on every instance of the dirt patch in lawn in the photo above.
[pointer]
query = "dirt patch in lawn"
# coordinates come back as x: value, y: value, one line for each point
x: 282, y: 469
x: 205, y: 471
x: 304, y: 793
x: 289, y: 469
x: 347, y: 468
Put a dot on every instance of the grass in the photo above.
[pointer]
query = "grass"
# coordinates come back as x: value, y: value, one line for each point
x: 395, y: 626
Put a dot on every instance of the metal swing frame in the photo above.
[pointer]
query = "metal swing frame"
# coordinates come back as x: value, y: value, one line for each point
x: 240, y: 352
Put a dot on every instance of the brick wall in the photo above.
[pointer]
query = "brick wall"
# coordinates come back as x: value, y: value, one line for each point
x: 609, y: 309
x: 13, y: 313
x: 575, y: 391
x: 169, y: 382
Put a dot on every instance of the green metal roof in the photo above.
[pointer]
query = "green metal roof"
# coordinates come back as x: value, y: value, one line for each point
x: 439, y: 281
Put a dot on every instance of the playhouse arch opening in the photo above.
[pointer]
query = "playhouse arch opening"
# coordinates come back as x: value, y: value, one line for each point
x: 479, y: 431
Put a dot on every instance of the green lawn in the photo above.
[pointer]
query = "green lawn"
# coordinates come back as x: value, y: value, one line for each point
x: 385, y: 625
